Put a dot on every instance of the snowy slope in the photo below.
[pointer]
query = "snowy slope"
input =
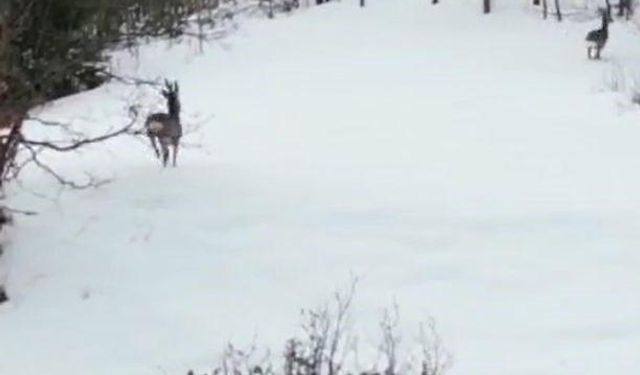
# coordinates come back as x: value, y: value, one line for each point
x: 470, y: 168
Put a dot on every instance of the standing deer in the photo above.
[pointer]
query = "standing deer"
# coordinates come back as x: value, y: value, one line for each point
x: 165, y: 128
x: 597, y: 39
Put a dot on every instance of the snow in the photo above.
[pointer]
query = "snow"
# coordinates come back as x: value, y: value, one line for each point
x: 471, y: 168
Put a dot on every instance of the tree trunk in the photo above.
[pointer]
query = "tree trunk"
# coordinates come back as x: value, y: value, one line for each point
x: 625, y: 8
x: 486, y: 6
x: 608, y: 4
x: 558, y: 11
x: 621, y: 6
x: 545, y: 9
x: 270, y: 14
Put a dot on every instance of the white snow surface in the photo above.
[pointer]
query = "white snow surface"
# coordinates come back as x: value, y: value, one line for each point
x: 471, y: 168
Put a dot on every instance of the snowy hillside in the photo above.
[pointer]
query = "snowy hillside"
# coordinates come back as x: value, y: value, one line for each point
x: 472, y: 168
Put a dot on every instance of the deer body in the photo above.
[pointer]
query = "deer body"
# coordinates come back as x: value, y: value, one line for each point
x: 165, y: 129
x: 597, y: 39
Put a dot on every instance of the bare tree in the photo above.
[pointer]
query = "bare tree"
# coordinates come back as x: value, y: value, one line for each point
x: 625, y: 8
x: 390, y: 340
x: 609, y: 10
x: 322, y: 347
x: 436, y: 360
x: 339, y: 328
x: 236, y: 361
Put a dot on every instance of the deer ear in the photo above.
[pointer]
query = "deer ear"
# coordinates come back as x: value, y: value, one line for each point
x: 176, y: 88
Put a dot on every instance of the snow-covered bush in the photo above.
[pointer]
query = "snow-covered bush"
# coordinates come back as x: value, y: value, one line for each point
x: 615, y: 79
x: 623, y: 80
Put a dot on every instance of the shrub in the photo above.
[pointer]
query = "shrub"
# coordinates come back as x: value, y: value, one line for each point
x: 326, y: 345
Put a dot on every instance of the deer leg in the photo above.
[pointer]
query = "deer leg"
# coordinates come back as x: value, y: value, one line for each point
x: 154, y: 145
x: 165, y: 151
x: 589, y: 53
x: 598, y: 53
x: 176, y: 144
x: 165, y: 157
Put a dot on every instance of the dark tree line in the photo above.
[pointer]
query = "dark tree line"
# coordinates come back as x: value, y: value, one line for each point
x: 52, y: 48
x: 625, y: 7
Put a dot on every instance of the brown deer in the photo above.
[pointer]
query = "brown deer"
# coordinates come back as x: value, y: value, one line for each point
x: 165, y: 128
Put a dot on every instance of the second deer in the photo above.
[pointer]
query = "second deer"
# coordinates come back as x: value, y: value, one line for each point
x: 597, y: 39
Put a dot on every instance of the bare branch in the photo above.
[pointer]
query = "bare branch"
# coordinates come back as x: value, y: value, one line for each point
x: 20, y: 212
x: 34, y: 149
x: 435, y: 359
x: 76, y: 144
x: 343, y: 305
x: 91, y: 183
x: 390, y: 339
x: 135, y: 81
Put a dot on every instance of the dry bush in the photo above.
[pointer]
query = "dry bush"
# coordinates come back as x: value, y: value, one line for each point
x: 623, y: 80
x: 326, y: 345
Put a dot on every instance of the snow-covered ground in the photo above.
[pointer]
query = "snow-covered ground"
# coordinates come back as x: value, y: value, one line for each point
x: 468, y: 167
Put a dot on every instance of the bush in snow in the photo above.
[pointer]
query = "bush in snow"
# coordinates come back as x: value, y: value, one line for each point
x: 326, y: 345
x: 624, y: 81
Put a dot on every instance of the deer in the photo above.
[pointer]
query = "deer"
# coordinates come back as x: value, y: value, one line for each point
x: 625, y: 8
x: 597, y: 39
x: 165, y: 128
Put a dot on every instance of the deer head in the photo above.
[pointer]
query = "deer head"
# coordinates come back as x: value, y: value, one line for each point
x: 170, y: 92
